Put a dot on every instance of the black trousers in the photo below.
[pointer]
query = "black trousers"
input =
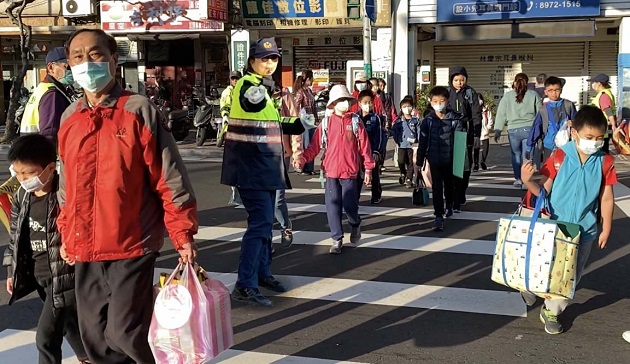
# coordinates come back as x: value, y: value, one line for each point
x: 377, y: 189
x: 115, y: 304
x: 460, y: 185
x: 405, y: 162
x: 53, y: 325
x: 485, y: 146
x: 442, y: 181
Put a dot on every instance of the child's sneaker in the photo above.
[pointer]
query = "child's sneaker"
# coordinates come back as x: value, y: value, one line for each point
x: 438, y: 225
x: 457, y: 209
x: 484, y: 166
x: 355, y: 234
x: 336, y: 247
x: 408, y: 184
x: 449, y: 212
x: 476, y: 168
x: 518, y: 183
x: 552, y: 325
x: 401, y: 180
x: 286, y: 238
x: 375, y: 200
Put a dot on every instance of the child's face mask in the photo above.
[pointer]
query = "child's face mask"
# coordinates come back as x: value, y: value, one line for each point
x: 342, y: 106
x: 361, y: 86
x: 366, y: 107
x: 438, y: 107
x: 588, y: 146
x: 407, y: 110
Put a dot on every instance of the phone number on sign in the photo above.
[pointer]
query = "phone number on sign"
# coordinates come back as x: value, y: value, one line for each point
x: 559, y: 4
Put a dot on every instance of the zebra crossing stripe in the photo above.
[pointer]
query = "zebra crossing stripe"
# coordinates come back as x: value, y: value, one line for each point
x: 496, y: 186
x: 398, y: 212
x: 503, y: 303
x: 18, y: 346
x: 375, y: 241
x: 407, y: 194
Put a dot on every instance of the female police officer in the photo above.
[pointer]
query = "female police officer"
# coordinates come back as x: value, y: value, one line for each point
x: 253, y: 163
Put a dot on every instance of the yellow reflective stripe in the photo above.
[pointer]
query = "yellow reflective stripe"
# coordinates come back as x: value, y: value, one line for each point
x: 254, y: 123
x: 248, y: 138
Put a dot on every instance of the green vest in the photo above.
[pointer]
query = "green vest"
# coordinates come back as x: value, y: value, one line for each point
x: 30, y: 119
x: 269, y: 113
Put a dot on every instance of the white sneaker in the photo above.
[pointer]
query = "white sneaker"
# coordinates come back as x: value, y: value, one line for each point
x: 626, y: 336
x: 518, y: 183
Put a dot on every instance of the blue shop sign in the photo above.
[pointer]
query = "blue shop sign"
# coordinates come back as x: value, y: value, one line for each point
x: 462, y: 10
x: 279, y: 9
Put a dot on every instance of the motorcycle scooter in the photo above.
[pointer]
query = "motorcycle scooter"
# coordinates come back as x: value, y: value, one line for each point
x: 205, y: 119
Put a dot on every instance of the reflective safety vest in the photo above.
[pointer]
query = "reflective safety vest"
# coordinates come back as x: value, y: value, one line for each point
x: 254, y: 127
x: 595, y: 102
x: 30, y: 119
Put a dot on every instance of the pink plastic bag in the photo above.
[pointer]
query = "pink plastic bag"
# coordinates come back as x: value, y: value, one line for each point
x: 191, y: 322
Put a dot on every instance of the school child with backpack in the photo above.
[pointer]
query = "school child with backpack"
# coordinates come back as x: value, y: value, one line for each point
x: 344, y: 140
x: 487, y: 124
x: 576, y: 169
x: 555, y: 114
x: 436, y: 137
x: 375, y: 127
x: 405, y: 132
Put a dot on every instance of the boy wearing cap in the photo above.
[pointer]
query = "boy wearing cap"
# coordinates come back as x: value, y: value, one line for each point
x: 253, y: 162
x: 50, y: 98
x: 344, y: 139
x: 605, y: 101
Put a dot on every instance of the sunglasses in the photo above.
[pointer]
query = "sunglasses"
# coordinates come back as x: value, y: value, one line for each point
x: 272, y: 57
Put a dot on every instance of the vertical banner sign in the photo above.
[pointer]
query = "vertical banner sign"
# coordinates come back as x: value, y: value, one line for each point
x: 370, y: 10
x: 239, y: 50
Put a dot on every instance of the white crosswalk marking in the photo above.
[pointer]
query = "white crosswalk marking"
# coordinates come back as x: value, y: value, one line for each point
x: 18, y: 346
x: 484, y: 184
x: 407, y: 194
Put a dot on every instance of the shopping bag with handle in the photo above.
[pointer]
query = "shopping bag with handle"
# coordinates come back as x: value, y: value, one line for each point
x: 420, y: 194
x: 536, y: 254
x: 191, y: 321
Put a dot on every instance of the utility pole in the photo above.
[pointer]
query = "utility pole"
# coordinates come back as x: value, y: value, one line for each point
x: 367, y: 39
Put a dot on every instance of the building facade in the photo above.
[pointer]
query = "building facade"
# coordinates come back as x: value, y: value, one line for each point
x: 496, y: 40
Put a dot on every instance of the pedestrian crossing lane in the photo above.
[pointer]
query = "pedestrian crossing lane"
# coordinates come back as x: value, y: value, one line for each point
x: 357, y: 289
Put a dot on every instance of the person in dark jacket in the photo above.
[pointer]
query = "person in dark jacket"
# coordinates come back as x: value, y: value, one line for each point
x: 375, y: 127
x: 33, y: 258
x: 436, y: 137
x: 464, y: 100
x: 405, y: 132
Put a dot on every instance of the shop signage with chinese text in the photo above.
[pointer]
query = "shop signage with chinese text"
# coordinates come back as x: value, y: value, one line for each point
x: 160, y: 16
x: 239, y: 52
x: 462, y: 10
x: 293, y: 14
x: 328, y: 41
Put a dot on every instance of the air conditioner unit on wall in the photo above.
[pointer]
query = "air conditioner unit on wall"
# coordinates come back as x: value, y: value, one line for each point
x: 75, y: 8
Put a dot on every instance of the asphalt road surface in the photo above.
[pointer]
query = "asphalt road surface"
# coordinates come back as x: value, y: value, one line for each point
x: 404, y: 295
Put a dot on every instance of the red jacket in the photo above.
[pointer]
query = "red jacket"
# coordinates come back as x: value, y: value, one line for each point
x: 122, y: 181
x: 343, y: 151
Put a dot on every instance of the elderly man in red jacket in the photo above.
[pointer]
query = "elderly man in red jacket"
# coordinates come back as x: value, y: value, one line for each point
x: 122, y: 182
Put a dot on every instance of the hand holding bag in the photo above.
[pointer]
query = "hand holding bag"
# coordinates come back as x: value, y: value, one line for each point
x: 191, y: 321
x: 420, y: 195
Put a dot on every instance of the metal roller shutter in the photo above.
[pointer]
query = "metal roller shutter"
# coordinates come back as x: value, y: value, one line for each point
x: 491, y: 68
x: 602, y: 58
x: 332, y: 58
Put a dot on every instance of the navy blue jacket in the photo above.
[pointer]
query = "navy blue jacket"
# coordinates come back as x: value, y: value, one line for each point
x: 374, y: 126
x: 406, y: 132
x: 436, y: 138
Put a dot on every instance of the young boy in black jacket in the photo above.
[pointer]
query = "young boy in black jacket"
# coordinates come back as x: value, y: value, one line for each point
x: 375, y: 127
x: 436, y: 137
x: 464, y: 100
x: 33, y: 258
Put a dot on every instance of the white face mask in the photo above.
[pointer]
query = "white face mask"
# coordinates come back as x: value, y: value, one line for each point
x: 342, y: 106
x: 366, y: 107
x: 361, y: 86
x: 34, y: 184
x: 407, y: 110
x: 92, y: 76
x: 589, y: 146
x: 438, y: 107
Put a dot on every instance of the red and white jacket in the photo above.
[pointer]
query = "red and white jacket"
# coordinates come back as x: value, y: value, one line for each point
x: 343, y: 151
x: 122, y: 181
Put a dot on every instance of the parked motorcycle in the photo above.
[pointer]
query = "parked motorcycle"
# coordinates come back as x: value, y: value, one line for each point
x: 205, y: 119
x: 179, y: 122
x: 321, y: 100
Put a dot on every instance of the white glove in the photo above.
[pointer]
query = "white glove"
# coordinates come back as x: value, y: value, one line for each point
x: 226, y: 119
x: 255, y: 94
x: 308, y: 121
x: 12, y: 171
